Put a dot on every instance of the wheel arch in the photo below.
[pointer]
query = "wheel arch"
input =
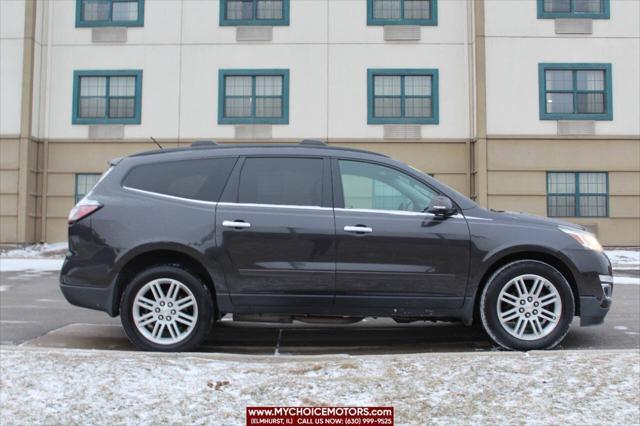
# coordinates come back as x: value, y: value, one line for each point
x: 153, y: 255
x: 499, y: 261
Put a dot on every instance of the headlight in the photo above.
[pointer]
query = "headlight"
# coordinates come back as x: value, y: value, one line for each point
x: 586, y: 239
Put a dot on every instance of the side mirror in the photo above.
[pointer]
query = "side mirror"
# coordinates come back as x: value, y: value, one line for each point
x: 441, y: 206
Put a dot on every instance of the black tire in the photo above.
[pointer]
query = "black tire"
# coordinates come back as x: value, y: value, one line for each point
x: 489, y: 301
x: 200, y: 292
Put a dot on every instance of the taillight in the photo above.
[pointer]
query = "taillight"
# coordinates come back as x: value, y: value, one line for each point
x: 83, y: 209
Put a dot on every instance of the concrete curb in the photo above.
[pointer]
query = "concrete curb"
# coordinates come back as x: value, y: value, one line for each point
x: 316, y: 358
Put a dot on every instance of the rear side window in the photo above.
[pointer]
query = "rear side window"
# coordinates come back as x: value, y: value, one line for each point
x: 202, y: 179
x: 285, y: 181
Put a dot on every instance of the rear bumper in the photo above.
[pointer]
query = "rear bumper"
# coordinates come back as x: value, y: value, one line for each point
x: 85, y: 280
x: 100, y: 299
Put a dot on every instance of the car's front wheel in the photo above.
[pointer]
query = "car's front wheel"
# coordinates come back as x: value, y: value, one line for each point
x: 166, y: 308
x: 527, y: 305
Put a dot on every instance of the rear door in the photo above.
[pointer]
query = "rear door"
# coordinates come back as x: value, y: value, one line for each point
x: 390, y: 253
x: 277, y: 232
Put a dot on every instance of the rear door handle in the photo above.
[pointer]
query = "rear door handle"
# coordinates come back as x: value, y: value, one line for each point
x: 358, y: 229
x: 235, y: 224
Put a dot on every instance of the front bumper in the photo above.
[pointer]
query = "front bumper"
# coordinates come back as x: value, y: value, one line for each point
x: 593, y: 311
x: 594, y: 279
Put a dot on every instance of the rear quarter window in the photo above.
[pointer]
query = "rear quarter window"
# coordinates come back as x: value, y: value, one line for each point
x: 201, y: 179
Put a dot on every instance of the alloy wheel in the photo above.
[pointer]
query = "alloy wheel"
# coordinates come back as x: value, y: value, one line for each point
x: 529, y: 307
x: 165, y: 311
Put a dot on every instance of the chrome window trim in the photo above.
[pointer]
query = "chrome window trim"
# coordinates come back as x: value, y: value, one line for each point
x: 396, y: 212
x: 171, y: 197
x: 274, y: 206
x: 478, y: 218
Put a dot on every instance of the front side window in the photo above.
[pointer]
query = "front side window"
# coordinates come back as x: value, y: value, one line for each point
x: 402, y: 12
x: 374, y: 187
x: 403, y: 97
x: 102, y: 13
x: 254, y: 12
x: 575, y: 92
x: 594, y: 9
x: 107, y: 97
x: 85, y: 183
x: 201, y: 179
x: 253, y: 97
x: 577, y: 194
x: 281, y: 181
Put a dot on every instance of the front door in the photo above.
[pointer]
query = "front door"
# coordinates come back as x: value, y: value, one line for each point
x: 390, y: 253
x: 278, y: 235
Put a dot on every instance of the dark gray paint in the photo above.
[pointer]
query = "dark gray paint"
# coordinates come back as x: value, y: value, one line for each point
x: 300, y: 261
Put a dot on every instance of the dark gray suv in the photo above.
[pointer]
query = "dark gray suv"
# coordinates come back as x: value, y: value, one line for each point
x: 171, y: 240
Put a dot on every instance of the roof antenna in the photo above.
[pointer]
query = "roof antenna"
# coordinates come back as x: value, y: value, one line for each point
x: 156, y: 142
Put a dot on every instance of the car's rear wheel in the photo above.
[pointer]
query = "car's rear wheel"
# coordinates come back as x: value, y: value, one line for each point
x: 166, y: 308
x: 527, y: 305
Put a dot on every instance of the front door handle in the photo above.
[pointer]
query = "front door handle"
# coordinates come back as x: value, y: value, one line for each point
x: 235, y: 224
x: 358, y: 229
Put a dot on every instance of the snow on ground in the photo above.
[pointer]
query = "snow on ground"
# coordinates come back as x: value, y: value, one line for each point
x: 36, y: 251
x: 92, y: 387
x: 20, y: 265
x: 626, y: 280
x: 623, y: 259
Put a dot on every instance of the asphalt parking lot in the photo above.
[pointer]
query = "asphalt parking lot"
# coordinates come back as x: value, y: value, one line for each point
x: 34, y: 313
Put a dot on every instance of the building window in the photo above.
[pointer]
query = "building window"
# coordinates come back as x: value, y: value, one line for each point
x: 578, y: 194
x: 592, y: 9
x: 107, y: 97
x: 403, y: 96
x: 253, y: 97
x: 109, y: 13
x: 575, y: 92
x: 85, y: 183
x: 402, y: 12
x: 254, y: 12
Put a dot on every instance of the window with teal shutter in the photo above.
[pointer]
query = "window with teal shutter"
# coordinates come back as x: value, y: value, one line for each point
x: 576, y: 9
x: 254, y: 12
x: 253, y: 97
x: 403, y: 96
x: 578, y: 194
x: 109, y: 13
x: 107, y: 97
x: 575, y: 92
x: 402, y: 12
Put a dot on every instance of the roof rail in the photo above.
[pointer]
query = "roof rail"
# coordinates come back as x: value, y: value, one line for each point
x: 313, y: 142
x: 203, y: 143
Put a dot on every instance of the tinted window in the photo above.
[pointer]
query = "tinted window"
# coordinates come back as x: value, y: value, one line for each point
x: 375, y: 187
x: 195, y: 179
x: 289, y: 181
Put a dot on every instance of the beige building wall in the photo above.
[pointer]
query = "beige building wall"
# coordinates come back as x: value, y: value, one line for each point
x: 490, y: 143
x: 9, y: 176
x: 19, y: 152
x: 515, y: 148
x: 517, y: 179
